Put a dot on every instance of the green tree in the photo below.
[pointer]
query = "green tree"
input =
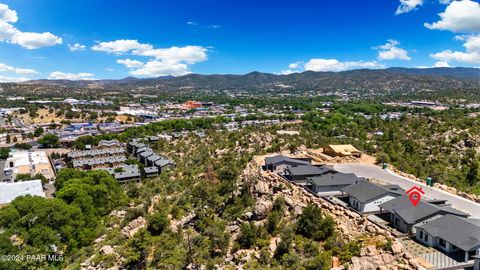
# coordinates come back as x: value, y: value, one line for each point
x: 157, y: 223
x: 49, y: 140
x: 312, y: 224
x: 38, y: 131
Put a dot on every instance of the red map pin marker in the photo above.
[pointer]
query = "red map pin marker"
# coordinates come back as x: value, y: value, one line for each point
x: 415, y: 195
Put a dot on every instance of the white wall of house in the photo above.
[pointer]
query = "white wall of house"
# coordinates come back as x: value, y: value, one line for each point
x: 426, y: 238
x: 329, y: 188
x: 370, y: 206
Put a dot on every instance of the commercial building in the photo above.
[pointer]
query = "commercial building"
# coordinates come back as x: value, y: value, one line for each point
x: 10, y: 191
x: 29, y: 162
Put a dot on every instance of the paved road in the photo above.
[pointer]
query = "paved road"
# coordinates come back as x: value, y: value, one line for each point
x: 372, y: 171
x: 19, y: 123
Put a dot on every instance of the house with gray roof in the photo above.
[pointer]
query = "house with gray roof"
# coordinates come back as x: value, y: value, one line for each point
x: 128, y: 173
x: 299, y: 174
x: 365, y: 197
x: 164, y: 165
x: 151, y: 171
x: 145, y: 154
x: 332, y: 183
x: 150, y: 161
x: 279, y: 163
x: 404, y: 216
x: 452, y: 234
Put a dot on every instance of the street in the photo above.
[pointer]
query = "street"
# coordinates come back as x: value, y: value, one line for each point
x: 372, y: 171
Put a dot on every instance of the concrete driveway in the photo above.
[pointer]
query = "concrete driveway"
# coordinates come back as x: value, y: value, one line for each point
x: 372, y: 171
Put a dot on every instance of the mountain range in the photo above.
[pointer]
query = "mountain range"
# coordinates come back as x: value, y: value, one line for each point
x: 394, y: 80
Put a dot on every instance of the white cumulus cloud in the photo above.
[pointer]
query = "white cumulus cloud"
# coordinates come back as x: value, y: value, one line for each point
x: 58, y: 75
x: 130, y: 63
x: 76, y: 47
x: 156, y: 68
x: 25, y: 71
x: 29, y: 40
x: 7, y: 15
x: 163, y: 61
x: 441, y: 64
x: 471, y: 55
x: 336, y: 65
x: 6, y: 79
x: 408, y: 5
x: 391, y: 51
x: 459, y: 16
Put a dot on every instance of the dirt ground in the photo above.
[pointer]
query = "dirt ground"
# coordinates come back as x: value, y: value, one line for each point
x: 44, y: 117
x: 320, y: 158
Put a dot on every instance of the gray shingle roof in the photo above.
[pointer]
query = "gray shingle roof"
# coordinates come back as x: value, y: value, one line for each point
x: 414, y: 214
x: 279, y: 159
x: 335, y: 179
x: 154, y: 158
x: 163, y: 162
x: 308, y: 170
x: 366, y: 191
x: 152, y: 169
x: 462, y: 232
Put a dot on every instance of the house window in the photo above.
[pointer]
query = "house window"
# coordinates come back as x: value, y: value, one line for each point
x: 426, y: 237
x: 421, y: 234
x: 442, y: 242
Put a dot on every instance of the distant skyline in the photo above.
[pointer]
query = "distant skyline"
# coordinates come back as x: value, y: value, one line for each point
x: 53, y: 39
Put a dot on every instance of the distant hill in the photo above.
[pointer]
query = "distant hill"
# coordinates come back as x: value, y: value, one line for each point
x: 457, y: 72
x: 399, y: 81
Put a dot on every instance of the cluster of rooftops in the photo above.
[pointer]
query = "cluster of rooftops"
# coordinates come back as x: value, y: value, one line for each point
x: 110, y: 155
x: 434, y: 222
x: 148, y: 157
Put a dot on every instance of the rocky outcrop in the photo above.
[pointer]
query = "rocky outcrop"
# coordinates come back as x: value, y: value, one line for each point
x: 453, y: 190
x: 262, y: 208
x: 372, y: 258
x: 134, y: 226
x: 267, y: 186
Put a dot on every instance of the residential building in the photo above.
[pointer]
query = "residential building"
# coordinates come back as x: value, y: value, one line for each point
x: 404, y: 216
x: 332, y: 183
x: 343, y: 150
x: 151, y: 171
x: 10, y: 191
x: 452, y: 234
x: 366, y: 197
x: 279, y: 163
x: 299, y: 174
x: 125, y: 173
x: 109, y: 144
x: 105, y: 157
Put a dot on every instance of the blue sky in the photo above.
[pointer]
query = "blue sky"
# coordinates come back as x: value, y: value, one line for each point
x: 116, y: 39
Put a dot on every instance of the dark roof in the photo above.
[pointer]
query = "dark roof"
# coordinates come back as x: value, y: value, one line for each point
x: 366, y: 191
x: 163, y: 162
x: 414, y: 214
x: 281, y: 159
x: 147, y: 153
x: 335, y: 179
x: 152, y: 169
x: 308, y: 170
x: 154, y: 158
x: 462, y: 232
